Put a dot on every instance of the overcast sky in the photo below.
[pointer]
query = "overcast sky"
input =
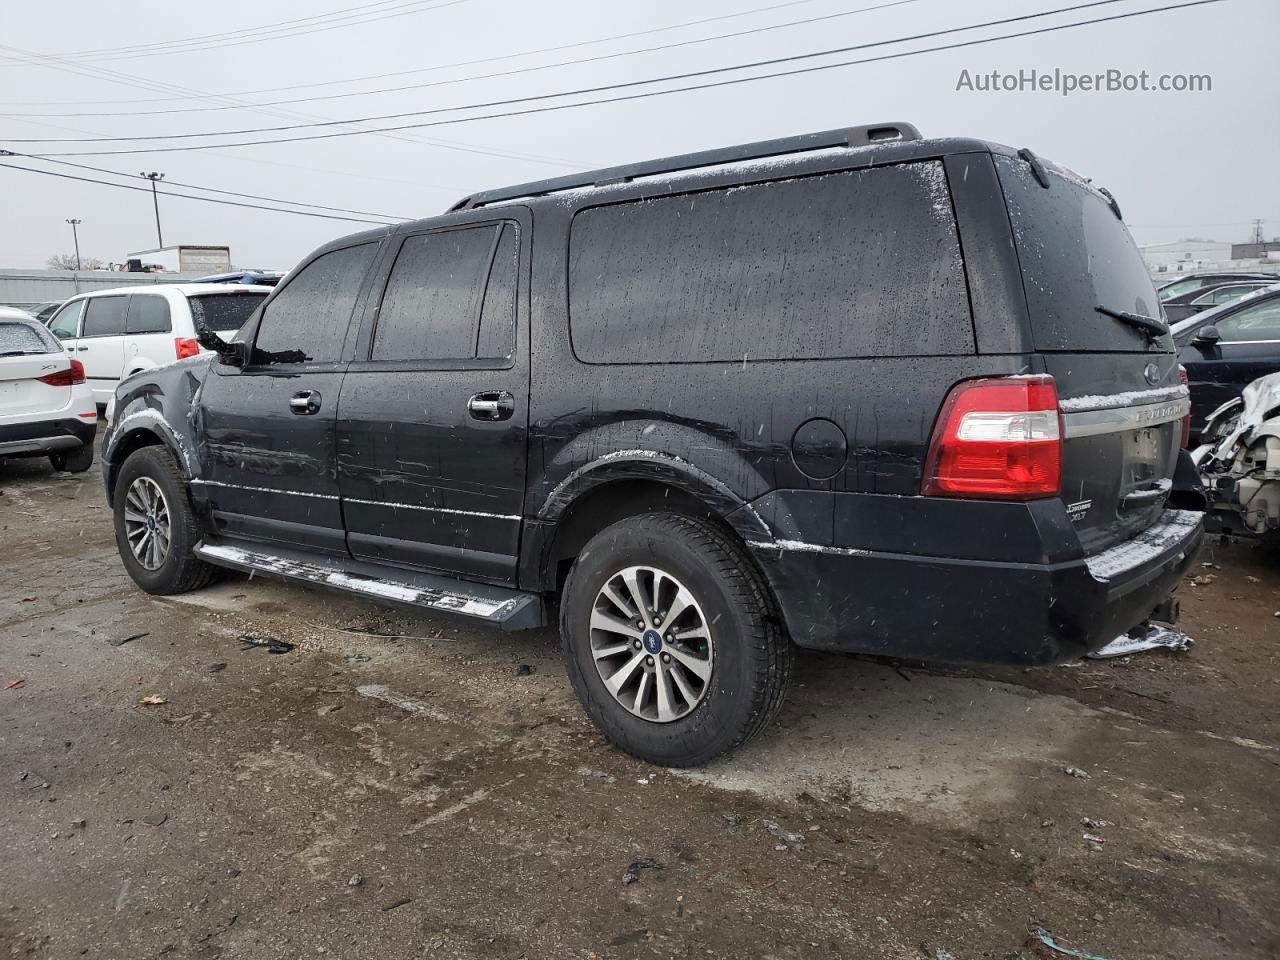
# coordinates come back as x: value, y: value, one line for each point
x: 1180, y: 164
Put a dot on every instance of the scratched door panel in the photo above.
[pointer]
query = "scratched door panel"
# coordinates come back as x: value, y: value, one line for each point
x: 432, y: 418
x: 268, y: 454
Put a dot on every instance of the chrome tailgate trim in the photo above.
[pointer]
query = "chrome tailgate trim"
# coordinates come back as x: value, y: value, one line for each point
x: 1093, y: 416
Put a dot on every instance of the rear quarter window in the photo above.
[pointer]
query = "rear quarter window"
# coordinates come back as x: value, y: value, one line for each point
x: 853, y: 264
x: 1075, y: 255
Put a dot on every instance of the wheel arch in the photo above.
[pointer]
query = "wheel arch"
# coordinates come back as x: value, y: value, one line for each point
x: 625, y: 484
x: 128, y: 439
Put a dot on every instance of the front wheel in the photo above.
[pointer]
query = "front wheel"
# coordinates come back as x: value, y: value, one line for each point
x: 672, y: 639
x: 156, y: 529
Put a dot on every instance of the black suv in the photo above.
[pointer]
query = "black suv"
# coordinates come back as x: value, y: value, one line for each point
x: 851, y: 391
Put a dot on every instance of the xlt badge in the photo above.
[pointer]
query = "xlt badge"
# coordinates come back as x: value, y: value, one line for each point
x: 1077, y: 510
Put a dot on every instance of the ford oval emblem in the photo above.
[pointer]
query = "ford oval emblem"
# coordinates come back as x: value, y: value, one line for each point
x: 1152, y: 373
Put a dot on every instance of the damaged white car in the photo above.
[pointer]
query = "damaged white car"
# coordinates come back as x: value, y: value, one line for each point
x: 1240, y: 460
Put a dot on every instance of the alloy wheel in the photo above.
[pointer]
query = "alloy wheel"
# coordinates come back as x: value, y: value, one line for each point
x: 651, y: 644
x: 147, y: 524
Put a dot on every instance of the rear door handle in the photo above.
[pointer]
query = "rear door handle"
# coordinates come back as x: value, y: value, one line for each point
x: 491, y: 405
x: 305, y: 402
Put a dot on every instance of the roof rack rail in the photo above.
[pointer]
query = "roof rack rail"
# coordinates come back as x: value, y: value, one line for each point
x: 843, y: 137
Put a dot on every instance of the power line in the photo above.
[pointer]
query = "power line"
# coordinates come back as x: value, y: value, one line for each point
x: 635, y: 83
x: 126, y: 79
x: 195, y: 45
x: 233, y: 33
x: 652, y: 93
x: 195, y: 186
x: 185, y: 196
x: 440, y: 66
x: 489, y: 76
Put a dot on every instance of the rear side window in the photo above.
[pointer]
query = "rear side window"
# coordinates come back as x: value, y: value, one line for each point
x: 66, y: 322
x: 1076, y: 255
x: 148, y: 314
x: 307, y: 321
x: 1258, y: 322
x: 224, y: 312
x: 104, y: 316
x: 21, y: 338
x: 450, y: 296
x: 862, y: 263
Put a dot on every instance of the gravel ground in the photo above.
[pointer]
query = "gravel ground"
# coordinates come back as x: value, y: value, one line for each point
x: 400, y: 786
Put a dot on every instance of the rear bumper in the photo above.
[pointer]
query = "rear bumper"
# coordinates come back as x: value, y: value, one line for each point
x: 46, y: 436
x: 974, y: 610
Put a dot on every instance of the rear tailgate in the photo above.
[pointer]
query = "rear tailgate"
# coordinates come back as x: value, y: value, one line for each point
x: 1118, y: 387
x: 25, y: 357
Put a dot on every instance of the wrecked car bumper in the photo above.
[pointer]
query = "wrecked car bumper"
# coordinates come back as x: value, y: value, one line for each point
x: 1031, y: 610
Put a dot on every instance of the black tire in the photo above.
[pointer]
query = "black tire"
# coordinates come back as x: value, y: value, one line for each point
x: 77, y: 461
x: 752, y: 654
x: 181, y: 571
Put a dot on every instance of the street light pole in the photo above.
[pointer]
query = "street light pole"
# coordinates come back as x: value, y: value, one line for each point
x: 76, y: 237
x: 153, y: 177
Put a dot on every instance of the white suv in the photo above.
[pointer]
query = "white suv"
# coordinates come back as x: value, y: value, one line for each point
x: 115, y: 333
x: 45, y: 405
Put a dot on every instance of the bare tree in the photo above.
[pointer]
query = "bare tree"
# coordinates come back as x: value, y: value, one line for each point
x: 67, y: 261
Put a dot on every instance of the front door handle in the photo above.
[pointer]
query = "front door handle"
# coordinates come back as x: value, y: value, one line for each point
x: 305, y: 402
x: 491, y: 405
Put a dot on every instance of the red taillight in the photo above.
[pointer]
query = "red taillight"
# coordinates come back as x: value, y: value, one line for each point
x: 999, y: 437
x: 186, y: 347
x: 1186, y: 421
x: 66, y: 378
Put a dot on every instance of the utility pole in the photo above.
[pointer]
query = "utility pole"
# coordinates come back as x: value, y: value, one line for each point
x: 76, y: 237
x: 153, y: 177
x: 1257, y: 231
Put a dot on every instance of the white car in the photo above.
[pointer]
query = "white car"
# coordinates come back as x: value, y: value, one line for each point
x: 117, y: 332
x: 46, y: 407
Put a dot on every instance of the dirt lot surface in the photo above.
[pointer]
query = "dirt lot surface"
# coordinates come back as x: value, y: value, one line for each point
x: 440, y: 794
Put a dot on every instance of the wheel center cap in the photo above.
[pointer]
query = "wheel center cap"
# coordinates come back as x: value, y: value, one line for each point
x: 652, y: 641
x: 151, y: 523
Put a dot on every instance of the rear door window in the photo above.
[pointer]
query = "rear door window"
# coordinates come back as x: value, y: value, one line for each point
x: 853, y: 264
x: 1258, y: 322
x: 450, y: 296
x: 148, y: 313
x: 1076, y: 255
x: 105, y: 316
x: 224, y: 312
x: 307, y: 321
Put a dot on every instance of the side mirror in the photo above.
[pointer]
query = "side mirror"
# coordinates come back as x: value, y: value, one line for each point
x: 1208, y: 334
x: 233, y: 354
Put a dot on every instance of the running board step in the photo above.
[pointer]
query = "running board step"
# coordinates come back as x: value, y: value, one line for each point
x: 499, y: 606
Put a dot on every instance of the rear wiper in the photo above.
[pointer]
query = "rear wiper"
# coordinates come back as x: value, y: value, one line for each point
x: 1152, y: 327
x: 17, y: 353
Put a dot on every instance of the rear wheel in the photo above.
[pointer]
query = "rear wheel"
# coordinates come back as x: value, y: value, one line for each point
x: 672, y: 641
x: 156, y: 529
x: 77, y: 461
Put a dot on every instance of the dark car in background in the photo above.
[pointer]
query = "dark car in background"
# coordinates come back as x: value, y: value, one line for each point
x: 1182, y: 285
x: 1209, y: 296
x: 45, y: 311
x: 853, y: 391
x: 1226, y: 348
